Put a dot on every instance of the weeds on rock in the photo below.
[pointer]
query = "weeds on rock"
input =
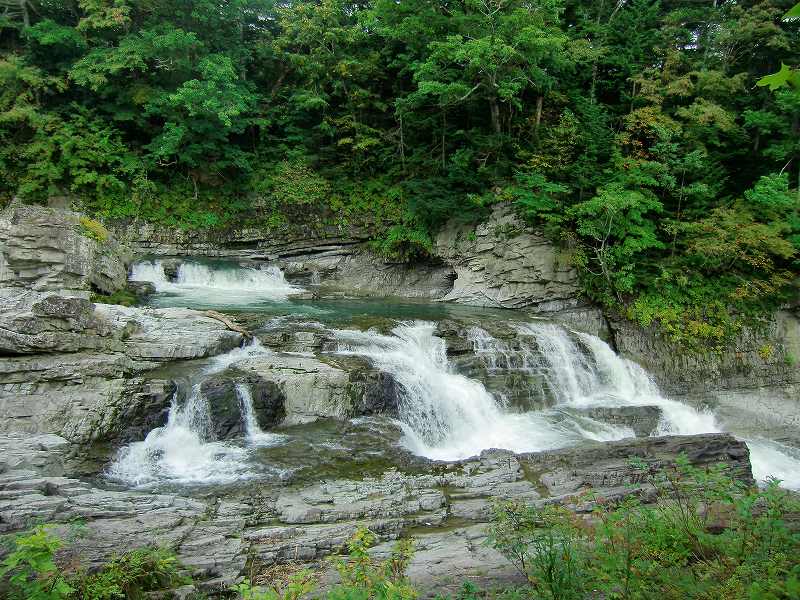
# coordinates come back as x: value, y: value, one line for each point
x: 361, y: 576
x: 31, y: 573
x: 707, y: 536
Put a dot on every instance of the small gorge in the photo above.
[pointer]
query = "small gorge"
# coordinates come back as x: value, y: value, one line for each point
x: 250, y: 412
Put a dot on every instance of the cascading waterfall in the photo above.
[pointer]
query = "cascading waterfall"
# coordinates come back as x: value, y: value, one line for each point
x: 591, y: 374
x: 447, y: 416
x: 253, y: 432
x: 182, y: 451
x: 202, y: 284
x: 595, y: 376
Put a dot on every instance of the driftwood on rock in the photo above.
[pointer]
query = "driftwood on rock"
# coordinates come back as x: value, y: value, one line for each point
x: 230, y: 324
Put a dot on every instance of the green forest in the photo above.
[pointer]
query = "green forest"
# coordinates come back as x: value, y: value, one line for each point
x: 658, y: 143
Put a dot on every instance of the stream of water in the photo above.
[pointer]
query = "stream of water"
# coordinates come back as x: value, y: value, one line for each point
x: 444, y: 414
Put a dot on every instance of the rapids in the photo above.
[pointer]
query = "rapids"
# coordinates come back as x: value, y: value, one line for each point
x: 444, y: 412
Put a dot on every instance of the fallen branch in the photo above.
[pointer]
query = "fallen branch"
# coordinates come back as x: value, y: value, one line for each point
x: 228, y: 323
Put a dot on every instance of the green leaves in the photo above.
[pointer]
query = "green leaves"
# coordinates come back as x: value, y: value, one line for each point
x: 31, y: 570
x: 785, y: 76
x: 218, y: 94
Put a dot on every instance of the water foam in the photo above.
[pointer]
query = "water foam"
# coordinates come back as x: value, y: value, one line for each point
x: 183, y: 451
x: 447, y: 416
x: 202, y: 284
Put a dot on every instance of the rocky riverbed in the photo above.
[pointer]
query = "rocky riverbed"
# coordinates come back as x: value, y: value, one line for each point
x: 253, y: 412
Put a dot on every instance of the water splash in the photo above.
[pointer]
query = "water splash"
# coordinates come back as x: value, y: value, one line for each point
x: 183, y: 451
x: 447, y: 416
x: 773, y: 460
x: 198, y: 284
x: 583, y: 372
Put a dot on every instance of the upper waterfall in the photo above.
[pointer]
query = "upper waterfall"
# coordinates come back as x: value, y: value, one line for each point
x: 199, y: 284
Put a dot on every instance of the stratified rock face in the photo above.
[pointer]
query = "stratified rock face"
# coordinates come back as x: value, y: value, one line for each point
x: 501, y: 263
x: 753, y: 387
x: 33, y: 323
x: 74, y: 369
x: 312, y: 389
x: 643, y: 420
x: 47, y: 249
x: 369, y: 275
x: 444, y: 506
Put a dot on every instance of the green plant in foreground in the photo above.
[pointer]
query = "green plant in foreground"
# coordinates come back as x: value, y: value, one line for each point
x: 32, y: 573
x: 31, y: 569
x: 707, y: 536
x: 131, y: 576
x: 361, y: 576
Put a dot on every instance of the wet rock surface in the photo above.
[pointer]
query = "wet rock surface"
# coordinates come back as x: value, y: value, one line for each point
x: 225, y: 404
x: 643, y: 420
x: 445, y: 507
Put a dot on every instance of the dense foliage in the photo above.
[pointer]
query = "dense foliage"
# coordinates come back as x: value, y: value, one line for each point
x: 705, y: 536
x: 633, y: 131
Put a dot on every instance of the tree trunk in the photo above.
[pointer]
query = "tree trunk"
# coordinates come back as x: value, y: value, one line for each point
x: 26, y: 17
x: 495, y: 111
x: 539, y: 104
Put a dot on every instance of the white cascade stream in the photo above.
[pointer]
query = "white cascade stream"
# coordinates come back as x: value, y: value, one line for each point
x: 229, y: 286
x: 447, y: 416
x: 254, y: 435
x: 182, y: 451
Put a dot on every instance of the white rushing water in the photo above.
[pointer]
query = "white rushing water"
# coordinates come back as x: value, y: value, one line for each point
x: 184, y: 451
x: 253, y: 432
x: 197, y: 283
x: 447, y: 416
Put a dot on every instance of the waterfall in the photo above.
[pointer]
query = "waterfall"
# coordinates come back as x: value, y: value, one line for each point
x: 150, y: 271
x: 183, y: 451
x: 447, y: 416
x: 198, y: 284
x: 255, y: 435
x: 583, y: 371
x: 180, y: 451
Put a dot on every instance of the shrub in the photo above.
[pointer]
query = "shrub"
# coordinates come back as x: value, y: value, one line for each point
x: 31, y: 570
x: 94, y: 230
x: 131, y: 576
x: 707, y: 536
x: 361, y: 576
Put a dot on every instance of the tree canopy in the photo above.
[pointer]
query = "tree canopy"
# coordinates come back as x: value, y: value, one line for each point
x: 658, y: 141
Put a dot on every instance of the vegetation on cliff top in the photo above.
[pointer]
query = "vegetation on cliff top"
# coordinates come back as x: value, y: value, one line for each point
x: 632, y: 131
